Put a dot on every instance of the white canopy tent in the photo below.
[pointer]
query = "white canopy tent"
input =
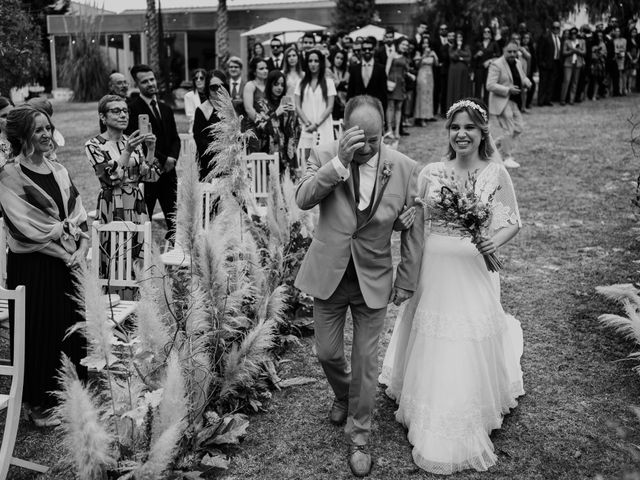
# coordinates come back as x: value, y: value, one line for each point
x: 371, y: 31
x: 283, y: 25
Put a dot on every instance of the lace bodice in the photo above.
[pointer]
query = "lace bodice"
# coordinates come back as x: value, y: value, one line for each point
x: 504, y: 207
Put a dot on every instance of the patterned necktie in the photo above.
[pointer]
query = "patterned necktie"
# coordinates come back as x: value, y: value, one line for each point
x: 154, y: 109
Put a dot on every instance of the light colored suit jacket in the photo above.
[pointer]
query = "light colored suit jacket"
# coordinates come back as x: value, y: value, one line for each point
x: 499, y: 79
x: 567, y: 53
x: 337, y: 236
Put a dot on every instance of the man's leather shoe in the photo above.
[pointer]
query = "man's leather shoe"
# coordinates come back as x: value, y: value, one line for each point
x: 404, y: 133
x: 359, y: 460
x: 338, y: 412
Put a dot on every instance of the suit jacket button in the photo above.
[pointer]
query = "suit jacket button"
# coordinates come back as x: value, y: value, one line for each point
x: 355, y: 235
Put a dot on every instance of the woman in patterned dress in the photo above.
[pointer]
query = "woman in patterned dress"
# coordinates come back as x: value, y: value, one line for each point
x: 119, y: 163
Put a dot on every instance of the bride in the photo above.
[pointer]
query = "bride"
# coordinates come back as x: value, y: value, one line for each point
x: 453, y: 363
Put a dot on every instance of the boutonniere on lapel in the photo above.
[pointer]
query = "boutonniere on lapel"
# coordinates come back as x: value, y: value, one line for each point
x: 386, y: 171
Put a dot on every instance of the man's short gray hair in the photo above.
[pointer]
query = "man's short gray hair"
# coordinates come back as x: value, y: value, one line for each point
x: 362, y: 101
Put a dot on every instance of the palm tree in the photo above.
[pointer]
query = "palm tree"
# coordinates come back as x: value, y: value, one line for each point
x: 153, y: 37
x: 222, y: 34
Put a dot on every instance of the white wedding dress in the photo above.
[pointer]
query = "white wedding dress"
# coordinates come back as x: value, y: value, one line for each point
x: 453, y: 362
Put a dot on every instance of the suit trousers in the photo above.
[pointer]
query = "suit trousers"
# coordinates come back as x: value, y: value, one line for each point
x: 570, y: 83
x: 358, y: 386
x: 510, y: 123
x: 164, y: 191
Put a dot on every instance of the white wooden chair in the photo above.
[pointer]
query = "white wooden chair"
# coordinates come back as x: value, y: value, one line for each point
x: 259, y: 166
x: 4, y: 304
x: 176, y: 256
x: 13, y: 401
x: 337, y: 128
x: 122, y: 237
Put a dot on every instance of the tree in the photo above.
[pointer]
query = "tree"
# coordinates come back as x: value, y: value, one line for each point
x: 222, y: 34
x: 21, y: 54
x: 153, y: 36
x: 352, y: 14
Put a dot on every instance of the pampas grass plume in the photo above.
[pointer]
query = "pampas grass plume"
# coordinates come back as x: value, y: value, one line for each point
x: 189, y: 206
x: 151, y: 331
x: 86, y: 441
x: 161, y: 454
x: 173, y: 406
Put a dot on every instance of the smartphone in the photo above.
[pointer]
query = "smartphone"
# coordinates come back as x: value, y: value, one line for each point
x: 287, y: 100
x: 143, y: 124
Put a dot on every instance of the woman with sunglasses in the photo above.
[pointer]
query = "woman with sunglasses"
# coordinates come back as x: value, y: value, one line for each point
x: 119, y: 163
x: 206, y: 116
x: 196, y: 95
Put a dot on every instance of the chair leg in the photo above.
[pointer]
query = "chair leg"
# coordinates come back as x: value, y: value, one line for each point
x: 29, y: 465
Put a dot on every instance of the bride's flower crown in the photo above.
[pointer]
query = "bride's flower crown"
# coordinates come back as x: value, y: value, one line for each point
x: 467, y: 104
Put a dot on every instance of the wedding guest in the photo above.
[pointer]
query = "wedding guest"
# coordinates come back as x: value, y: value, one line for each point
x: 620, y: 51
x: 47, y: 240
x: 524, y: 57
x: 597, y: 88
x: 253, y: 92
x: 527, y: 46
x: 387, y: 47
x: 397, y: 72
x: 425, y: 82
x: 196, y: 95
x: 549, y: 64
x: 633, y: 57
x: 314, y: 97
x: 308, y: 43
x: 573, y: 52
x: 276, y: 60
x: 45, y: 106
x: 410, y: 89
x: 257, y: 51
x: 453, y: 362
x: 206, y: 116
x: 6, y: 105
x: 458, y: 82
x: 356, y: 52
x: 441, y: 44
x: 485, y: 51
x: 277, y: 122
x: 236, y: 84
x: 368, y: 77
x: 339, y: 73
x: 163, y: 188
x: 118, y: 85
x: 120, y: 164
x: 505, y: 82
x: 292, y: 68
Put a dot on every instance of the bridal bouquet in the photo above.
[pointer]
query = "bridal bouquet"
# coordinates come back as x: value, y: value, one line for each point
x: 459, y: 205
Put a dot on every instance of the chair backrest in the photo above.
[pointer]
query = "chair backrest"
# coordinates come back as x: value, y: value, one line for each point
x: 187, y: 147
x: 337, y: 128
x: 118, y: 247
x: 3, y: 254
x: 16, y: 372
x: 209, y: 197
x: 259, y: 165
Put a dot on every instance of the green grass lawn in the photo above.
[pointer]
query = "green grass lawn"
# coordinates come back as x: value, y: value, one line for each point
x: 574, y: 189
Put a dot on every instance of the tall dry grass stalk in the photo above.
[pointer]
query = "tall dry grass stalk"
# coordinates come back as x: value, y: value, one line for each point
x: 189, y: 207
x: 87, y: 442
x: 627, y: 295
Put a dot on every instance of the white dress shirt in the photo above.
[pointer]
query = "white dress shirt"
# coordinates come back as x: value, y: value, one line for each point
x: 367, y: 72
x: 368, y: 171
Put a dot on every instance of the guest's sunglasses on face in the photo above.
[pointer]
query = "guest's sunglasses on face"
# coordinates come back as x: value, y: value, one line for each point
x: 118, y: 111
x: 367, y: 49
x: 198, y: 77
x: 215, y: 87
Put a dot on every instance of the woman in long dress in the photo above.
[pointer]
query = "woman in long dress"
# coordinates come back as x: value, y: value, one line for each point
x: 397, y: 71
x: 206, y: 116
x: 314, y: 97
x: 424, y: 83
x: 196, y: 95
x: 252, y: 94
x: 292, y: 68
x: 458, y: 81
x: 453, y: 363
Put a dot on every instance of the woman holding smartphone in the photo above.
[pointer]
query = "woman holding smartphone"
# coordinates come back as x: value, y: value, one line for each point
x: 277, y: 122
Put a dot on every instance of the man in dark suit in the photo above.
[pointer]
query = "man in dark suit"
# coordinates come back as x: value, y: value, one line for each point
x: 308, y: 44
x: 276, y: 60
x: 549, y: 64
x: 387, y: 46
x: 440, y: 45
x: 236, y: 84
x: 368, y: 77
x: 161, y: 184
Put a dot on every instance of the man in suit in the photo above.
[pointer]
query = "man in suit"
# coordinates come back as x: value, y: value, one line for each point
x: 236, y: 84
x: 573, y: 53
x: 118, y: 85
x: 161, y: 184
x: 386, y: 47
x: 505, y: 82
x: 308, y: 44
x: 549, y: 64
x: 421, y: 32
x: 440, y: 45
x: 368, y: 77
x: 276, y: 60
x: 361, y: 188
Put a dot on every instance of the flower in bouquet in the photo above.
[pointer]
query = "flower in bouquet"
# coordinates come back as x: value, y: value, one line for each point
x: 460, y: 205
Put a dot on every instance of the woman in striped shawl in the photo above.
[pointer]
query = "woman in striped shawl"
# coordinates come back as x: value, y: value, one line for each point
x: 46, y: 225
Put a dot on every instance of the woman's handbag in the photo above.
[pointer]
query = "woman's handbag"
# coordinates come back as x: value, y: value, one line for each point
x: 391, y: 85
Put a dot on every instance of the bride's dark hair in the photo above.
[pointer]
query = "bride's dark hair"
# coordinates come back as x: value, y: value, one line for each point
x: 480, y: 117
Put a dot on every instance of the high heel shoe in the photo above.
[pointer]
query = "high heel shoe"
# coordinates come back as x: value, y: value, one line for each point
x: 39, y: 418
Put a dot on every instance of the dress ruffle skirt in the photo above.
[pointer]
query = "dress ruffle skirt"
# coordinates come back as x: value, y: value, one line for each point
x: 453, y: 363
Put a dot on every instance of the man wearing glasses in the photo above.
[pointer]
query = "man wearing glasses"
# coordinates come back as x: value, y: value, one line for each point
x: 163, y: 125
x: 119, y: 86
x: 276, y: 60
x: 368, y: 77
